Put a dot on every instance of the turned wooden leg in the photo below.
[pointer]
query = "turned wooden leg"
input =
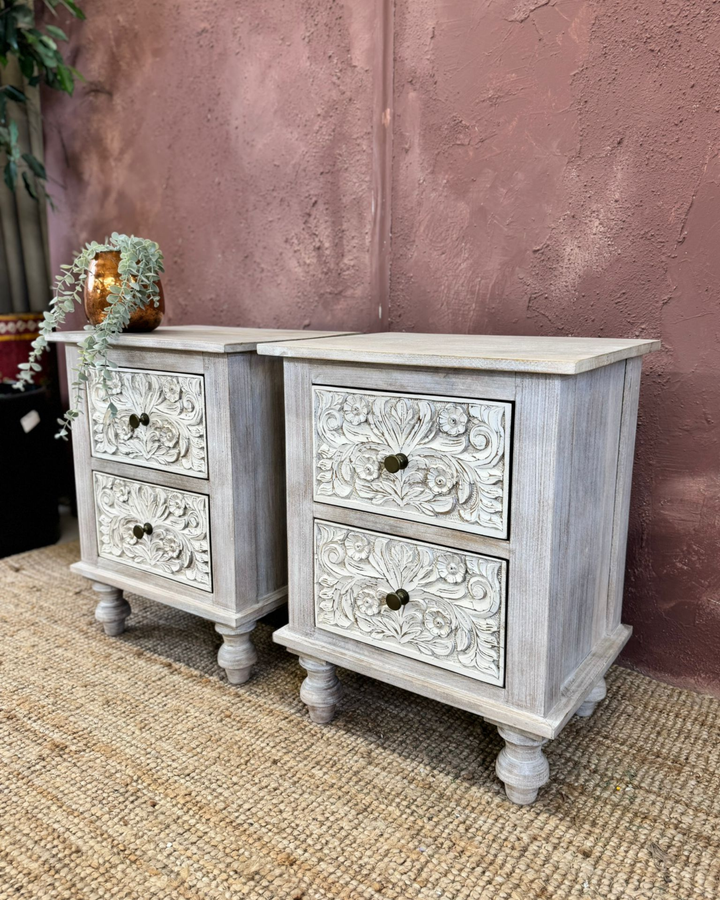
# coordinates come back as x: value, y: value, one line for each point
x: 112, y: 609
x: 321, y: 690
x: 598, y: 693
x: 521, y: 765
x: 237, y: 654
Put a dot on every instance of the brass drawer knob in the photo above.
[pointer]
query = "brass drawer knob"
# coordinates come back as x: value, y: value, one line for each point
x: 395, y: 462
x: 141, y: 530
x: 397, y: 598
x: 137, y: 421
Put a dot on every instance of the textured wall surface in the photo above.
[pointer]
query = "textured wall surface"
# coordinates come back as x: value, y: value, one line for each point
x: 237, y: 136
x: 555, y: 171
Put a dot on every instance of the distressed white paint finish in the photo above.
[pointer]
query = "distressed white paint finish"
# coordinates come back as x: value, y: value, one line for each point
x: 198, y: 338
x: 112, y: 609
x: 320, y: 691
x: 549, y: 355
x: 458, y: 453
x: 574, y: 406
x: 236, y: 654
x: 174, y: 438
x: 521, y: 765
x: 596, y: 695
x: 178, y: 545
x: 455, y: 617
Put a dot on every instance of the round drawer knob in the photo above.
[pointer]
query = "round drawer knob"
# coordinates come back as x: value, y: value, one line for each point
x: 397, y: 599
x: 141, y: 530
x: 137, y: 421
x: 395, y: 462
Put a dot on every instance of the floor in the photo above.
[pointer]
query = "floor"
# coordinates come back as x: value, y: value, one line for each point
x: 130, y: 769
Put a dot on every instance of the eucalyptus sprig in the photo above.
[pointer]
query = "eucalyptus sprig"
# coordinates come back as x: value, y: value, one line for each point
x: 141, y: 262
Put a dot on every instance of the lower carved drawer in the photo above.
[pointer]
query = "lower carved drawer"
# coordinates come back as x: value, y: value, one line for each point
x: 444, y: 607
x: 156, y: 529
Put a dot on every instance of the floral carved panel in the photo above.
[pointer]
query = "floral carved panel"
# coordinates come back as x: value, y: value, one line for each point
x: 455, y: 617
x: 457, y: 450
x: 173, y: 439
x: 178, y: 546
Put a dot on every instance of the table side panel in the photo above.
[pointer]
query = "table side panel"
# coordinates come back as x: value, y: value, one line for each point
x: 540, y: 400
x: 626, y: 452
x: 582, y: 530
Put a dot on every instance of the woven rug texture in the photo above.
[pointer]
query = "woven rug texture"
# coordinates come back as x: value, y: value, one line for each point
x: 129, y: 768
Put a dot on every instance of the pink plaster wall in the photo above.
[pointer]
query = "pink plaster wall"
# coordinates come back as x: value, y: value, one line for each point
x: 555, y: 171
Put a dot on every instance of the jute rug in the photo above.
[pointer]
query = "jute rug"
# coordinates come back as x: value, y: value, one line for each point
x: 130, y: 769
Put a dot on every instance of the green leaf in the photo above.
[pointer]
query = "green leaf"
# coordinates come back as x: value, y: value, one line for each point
x: 27, y: 65
x: 29, y: 186
x: 65, y: 78
x: 74, y: 9
x: 13, y: 93
x: 56, y: 32
x: 13, y: 133
x: 10, y: 174
x: 37, y: 167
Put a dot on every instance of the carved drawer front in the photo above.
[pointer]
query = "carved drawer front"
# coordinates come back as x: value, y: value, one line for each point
x: 160, y: 421
x: 430, y: 459
x: 440, y: 606
x: 156, y: 529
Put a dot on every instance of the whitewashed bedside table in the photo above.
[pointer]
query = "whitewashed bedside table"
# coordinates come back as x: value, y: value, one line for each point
x: 181, y: 497
x: 458, y: 512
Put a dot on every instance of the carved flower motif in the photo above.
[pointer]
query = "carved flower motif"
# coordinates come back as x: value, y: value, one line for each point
x: 167, y: 434
x: 367, y: 600
x: 176, y: 504
x: 451, y: 567
x: 113, y: 383
x: 123, y: 431
x: 437, y: 621
x: 367, y: 466
x: 355, y: 410
x: 120, y: 491
x: 357, y: 546
x: 478, y: 588
x: 452, y: 420
x: 440, y: 479
x: 171, y: 545
x: 171, y: 389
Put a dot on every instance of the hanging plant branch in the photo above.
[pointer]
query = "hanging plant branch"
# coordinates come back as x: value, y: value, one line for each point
x: 140, y: 266
x: 41, y: 62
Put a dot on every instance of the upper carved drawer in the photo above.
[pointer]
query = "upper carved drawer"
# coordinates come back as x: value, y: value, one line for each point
x: 160, y: 421
x: 430, y: 459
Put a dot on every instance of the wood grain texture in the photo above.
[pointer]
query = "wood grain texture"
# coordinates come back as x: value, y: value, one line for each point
x: 562, y: 356
x: 198, y: 338
x: 539, y: 401
x: 626, y: 451
x: 584, y: 487
x: 416, y: 380
x: 298, y: 448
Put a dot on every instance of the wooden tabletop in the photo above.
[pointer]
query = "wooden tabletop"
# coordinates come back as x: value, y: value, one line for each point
x: 552, y: 355
x: 199, y: 338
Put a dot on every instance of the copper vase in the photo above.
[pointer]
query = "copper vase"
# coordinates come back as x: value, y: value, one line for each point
x: 102, y: 275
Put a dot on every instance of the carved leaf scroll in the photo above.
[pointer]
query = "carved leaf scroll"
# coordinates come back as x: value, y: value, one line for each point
x: 457, y: 474
x: 455, y: 618
x: 174, y: 440
x: 179, y: 546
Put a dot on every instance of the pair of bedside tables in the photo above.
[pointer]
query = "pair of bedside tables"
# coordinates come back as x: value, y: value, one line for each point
x: 457, y: 509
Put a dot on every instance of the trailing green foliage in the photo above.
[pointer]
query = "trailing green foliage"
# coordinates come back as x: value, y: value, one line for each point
x: 41, y: 62
x: 141, y: 263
